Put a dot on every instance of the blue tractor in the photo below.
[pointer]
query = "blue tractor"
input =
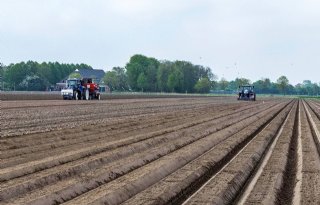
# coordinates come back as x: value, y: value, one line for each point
x: 73, y: 89
x: 246, y: 92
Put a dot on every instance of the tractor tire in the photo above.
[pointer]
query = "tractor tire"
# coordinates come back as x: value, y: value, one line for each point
x: 76, y: 95
x: 87, y: 96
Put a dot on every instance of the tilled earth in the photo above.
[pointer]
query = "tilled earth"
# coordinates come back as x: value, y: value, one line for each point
x: 160, y: 151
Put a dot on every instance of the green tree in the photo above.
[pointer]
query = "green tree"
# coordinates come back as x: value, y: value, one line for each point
x: 299, y: 89
x: 223, y: 84
x: 33, y: 83
x: 75, y: 75
x: 307, y: 84
x: 163, y: 73
x: 122, y: 84
x: 1, y: 69
x: 172, y: 83
x: 111, y: 80
x: 141, y: 64
x: 116, y: 79
x: 151, y: 74
x: 203, y: 85
x: 48, y: 74
x: 188, y: 76
x: 315, y: 89
x: 175, y: 80
x: 16, y: 73
x: 142, y: 82
x: 266, y: 85
x: 1, y: 75
x: 282, y: 83
x: 242, y: 81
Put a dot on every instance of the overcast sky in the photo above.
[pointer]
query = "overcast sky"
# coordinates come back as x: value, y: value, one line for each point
x: 235, y: 38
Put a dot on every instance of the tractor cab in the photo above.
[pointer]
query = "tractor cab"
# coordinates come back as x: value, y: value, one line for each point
x: 72, y: 83
x: 246, y: 92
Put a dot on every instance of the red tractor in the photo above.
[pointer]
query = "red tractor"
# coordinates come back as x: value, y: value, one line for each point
x: 90, y: 89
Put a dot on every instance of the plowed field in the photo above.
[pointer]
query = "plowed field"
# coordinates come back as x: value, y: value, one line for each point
x: 160, y: 151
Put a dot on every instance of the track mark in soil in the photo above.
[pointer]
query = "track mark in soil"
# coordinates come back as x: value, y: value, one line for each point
x: 286, y: 194
x: 229, y: 162
x: 259, y: 169
x: 314, y: 129
x: 297, y: 189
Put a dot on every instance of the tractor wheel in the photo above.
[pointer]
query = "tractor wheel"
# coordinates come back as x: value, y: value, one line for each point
x: 76, y: 95
x: 87, y: 94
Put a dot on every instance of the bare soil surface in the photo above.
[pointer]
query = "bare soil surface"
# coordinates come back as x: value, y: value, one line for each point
x: 160, y: 151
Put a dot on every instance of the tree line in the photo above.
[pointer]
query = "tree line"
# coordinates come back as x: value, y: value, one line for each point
x: 34, y: 76
x: 147, y: 74
x: 143, y: 73
x: 266, y: 86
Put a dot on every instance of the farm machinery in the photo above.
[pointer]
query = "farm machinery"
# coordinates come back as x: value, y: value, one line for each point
x: 77, y: 89
x: 246, y: 92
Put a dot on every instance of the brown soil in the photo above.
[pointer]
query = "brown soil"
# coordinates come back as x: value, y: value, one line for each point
x: 156, y: 151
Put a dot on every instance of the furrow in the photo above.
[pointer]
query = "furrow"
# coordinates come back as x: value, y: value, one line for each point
x: 224, y: 187
x: 310, y: 187
x: 184, y: 143
x: 130, y: 184
x: 176, y: 187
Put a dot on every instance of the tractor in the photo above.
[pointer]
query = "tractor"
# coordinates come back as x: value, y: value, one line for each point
x: 77, y: 89
x: 246, y: 92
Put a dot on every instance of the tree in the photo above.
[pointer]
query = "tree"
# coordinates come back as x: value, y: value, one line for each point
x: 282, y: 83
x: 242, y: 81
x: 151, y: 74
x: 315, y: 89
x: 122, y: 84
x: 175, y: 80
x: 142, y: 82
x: 307, y: 84
x: 116, y: 79
x: 203, y: 85
x: 223, y: 84
x: 163, y: 72
x: 141, y: 64
x: 266, y: 85
x: 187, y: 75
x: 33, y: 83
x: 1, y: 69
x: 1, y: 76
x: 300, y: 89
x: 75, y: 75
x: 49, y: 73
x: 111, y: 80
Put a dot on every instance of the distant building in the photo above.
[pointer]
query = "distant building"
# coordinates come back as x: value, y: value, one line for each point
x: 96, y: 75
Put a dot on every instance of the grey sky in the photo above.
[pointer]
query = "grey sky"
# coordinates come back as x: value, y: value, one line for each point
x: 236, y: 38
